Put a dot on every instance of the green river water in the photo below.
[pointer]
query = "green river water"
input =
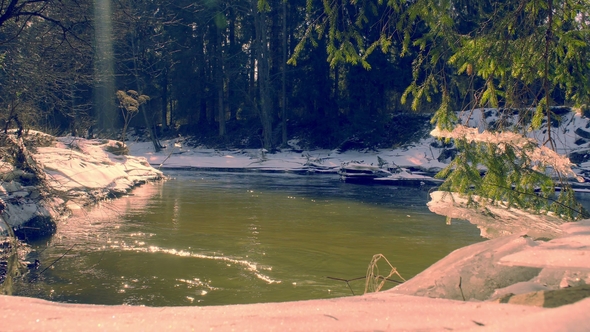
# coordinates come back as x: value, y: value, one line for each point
x: 227, y: 238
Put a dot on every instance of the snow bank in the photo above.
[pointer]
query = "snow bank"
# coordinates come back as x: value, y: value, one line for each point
x: 419, y: 155
x: 473, y: 272
x: 571, y: 250
x: 72, y: 172
x: 499, y: 269
x: 494, y: 220
x: 83, y: 165
x: 428, y: 154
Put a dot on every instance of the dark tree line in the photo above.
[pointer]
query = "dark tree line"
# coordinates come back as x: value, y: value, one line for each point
x: 212, y: 69
x: 254, y: 72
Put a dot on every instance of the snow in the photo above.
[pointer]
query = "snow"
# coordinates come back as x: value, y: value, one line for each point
x: 422, y: 155
x: 403, y: 174
x: 77, y: 163
x: 175, y: 155
x: 494, y: 220
x: 564, y: 136
x: 77, y: 172
x: 522, y: 264
x: 540, y: 154
x: 569, y: 251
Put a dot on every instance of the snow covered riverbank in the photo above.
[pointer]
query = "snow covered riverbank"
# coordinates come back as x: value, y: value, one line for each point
x: 570, y: 135
x: 178, y: 155
x: 511, y: 269
x: 60, y: 175
x: 383, y: 311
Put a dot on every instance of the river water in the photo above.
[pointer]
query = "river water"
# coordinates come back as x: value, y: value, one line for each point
x: 203, y: 238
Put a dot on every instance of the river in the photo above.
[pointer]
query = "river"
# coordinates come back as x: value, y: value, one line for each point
x: 206, y: 238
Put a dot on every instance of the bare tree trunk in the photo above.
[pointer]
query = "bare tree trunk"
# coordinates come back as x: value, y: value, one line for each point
x: 284, y: 76
x: 218, y: 73
x: 262, y: 54
x: 148, y: 124
x: 546, y: 83
x: 233, y: 49
x: 201, y: 102
x: 165, y: 100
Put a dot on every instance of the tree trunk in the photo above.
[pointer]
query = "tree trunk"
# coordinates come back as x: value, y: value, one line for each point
x: 201, y: 102
x: 262, y: 54
x: 164, y: 83
x: 218, y: 72
x: 284, y: 77
x: 148, y: 124
x: 231, y: 67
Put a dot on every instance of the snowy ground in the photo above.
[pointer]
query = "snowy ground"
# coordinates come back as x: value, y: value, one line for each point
x: 571, y: 137
x: 72, y: 172
x: 177, y: 155
x: 384, y: 311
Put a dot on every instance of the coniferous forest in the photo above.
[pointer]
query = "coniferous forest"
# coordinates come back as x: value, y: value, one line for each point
x: 256, y: 73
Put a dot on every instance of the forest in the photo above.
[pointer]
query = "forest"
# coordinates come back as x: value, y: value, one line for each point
x: 256, y: 73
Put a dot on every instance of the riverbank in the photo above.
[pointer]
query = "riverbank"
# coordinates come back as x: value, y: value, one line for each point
x: 43, y: 178
x: 87, y: 169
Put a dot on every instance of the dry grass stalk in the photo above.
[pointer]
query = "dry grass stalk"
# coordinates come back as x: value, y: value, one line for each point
x: 374, y: 279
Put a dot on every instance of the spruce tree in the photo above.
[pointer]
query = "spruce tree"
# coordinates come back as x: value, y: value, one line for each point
x: 523, y: 55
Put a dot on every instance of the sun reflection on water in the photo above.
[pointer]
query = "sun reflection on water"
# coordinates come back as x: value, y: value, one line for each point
x: 220, y: 241
x: 247, y: 265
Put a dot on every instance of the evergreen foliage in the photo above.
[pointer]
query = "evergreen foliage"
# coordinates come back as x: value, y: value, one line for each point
x: 468, y: 54
x: 507, y: 168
